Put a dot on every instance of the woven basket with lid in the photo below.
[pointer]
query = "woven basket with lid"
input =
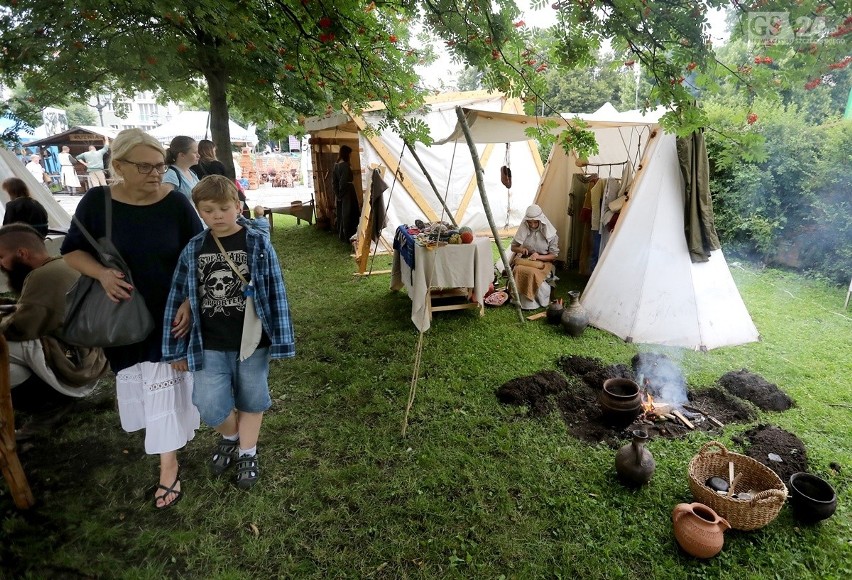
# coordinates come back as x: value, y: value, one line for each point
x: 770, y: 492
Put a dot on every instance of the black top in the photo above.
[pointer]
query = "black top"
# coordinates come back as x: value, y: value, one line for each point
x: 150, y: 239
x: 29, y: 211
x: 205, y: 168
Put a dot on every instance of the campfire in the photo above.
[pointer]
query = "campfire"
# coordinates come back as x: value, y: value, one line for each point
x: 657, y: 411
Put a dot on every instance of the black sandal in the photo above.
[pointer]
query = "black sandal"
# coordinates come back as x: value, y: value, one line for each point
x: 247, y: 471
x: 223, y: 455
x: 177, y: 493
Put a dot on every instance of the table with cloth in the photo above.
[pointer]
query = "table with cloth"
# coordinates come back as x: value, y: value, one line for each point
x: 419, y: 270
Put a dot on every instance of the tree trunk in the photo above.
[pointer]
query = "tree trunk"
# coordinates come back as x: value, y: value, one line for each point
x: 220, y: 132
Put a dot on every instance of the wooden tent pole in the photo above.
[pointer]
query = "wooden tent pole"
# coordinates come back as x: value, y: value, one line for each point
x: 480, y: 182
x: 447, y: 211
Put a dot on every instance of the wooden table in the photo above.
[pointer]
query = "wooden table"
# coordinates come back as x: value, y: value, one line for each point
x: 453, y: 270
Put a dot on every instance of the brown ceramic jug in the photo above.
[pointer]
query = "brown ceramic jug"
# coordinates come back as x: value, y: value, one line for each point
x: 634, y: 464
x: 698, y: 529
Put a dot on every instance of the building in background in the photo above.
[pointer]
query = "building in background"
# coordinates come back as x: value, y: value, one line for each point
x: 142, y: 111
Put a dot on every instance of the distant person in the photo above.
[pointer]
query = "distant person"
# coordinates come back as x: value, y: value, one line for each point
x: 348, y: 213
x: 68, y: 174
x: 228, y: 347
x: 33, y: 325
x: 93, y: 159
x: 35, y: 168
x: 181, y: 155
x: 208, y: 164
x: 22, y: 208
x: 150, y: 227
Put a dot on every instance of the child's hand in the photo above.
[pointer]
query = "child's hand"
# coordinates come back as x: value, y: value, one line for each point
x: 180, y: 366
x: 182, y: 321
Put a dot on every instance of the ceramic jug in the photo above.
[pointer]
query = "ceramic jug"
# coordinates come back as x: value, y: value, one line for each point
x: 575, y: 319
x: 634, y: 464
x: 698, y: 529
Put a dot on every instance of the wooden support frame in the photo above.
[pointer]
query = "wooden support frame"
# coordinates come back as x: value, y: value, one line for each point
x: 13, y: 472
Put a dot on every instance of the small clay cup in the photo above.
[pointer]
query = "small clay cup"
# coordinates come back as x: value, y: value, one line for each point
x: 813, y: 499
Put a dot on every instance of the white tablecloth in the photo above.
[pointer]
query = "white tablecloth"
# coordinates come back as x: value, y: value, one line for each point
x: 451, y: 266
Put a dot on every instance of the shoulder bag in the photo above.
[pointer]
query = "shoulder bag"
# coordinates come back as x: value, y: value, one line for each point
x: 91, y: 318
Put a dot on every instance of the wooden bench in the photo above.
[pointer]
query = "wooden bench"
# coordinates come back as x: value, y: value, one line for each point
x: 301, y: 211
x: 13, y: 473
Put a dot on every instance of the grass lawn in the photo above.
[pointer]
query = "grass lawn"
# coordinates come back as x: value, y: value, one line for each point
x: 475, y: 489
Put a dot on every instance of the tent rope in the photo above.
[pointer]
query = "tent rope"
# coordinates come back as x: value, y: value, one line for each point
x: 415, y: 377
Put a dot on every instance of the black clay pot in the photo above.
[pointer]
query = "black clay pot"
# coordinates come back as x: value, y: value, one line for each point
x: 554, y: 312
x: 575, y: 318
x: 620, y: 401
x: 813, y: 499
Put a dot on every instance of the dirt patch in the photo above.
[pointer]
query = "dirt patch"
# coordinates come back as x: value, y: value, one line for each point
x: 721, y: 405
x: 593, y: 371
x: 752, y: 387
x: 536, y: 391
x: 576, y: 398
x: 762, y: 440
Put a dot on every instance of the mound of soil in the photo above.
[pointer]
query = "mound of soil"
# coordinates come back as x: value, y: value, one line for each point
x: 752, y: 387
x: 765, y: 439
x: 535, y: 391
x: 592, y: 371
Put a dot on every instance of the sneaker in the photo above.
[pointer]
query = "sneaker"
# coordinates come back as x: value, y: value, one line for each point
x: 247, y: 471
x: 223, y: 455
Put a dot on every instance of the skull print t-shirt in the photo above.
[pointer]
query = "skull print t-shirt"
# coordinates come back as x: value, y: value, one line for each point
x: 223, y: 300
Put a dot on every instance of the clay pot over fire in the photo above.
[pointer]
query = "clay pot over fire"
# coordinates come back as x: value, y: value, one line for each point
x: 620, y: 401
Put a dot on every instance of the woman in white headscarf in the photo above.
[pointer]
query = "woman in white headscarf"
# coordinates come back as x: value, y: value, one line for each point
x: 535, y: 247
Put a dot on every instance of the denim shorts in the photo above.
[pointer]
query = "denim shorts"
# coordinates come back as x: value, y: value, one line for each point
x: 225, y: 384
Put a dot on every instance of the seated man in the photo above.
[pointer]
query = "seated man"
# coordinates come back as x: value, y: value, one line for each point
x: 535, y: 247
x: 30, y: 325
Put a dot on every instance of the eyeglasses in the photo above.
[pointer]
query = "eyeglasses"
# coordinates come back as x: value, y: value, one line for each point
x: 147, y: 168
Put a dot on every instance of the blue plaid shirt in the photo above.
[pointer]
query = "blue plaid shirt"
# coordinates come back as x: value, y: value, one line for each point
x: 270, y: 299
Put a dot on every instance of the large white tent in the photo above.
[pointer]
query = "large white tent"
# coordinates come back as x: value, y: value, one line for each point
x: 196, y: 124
x: 645, y: 288
x: 409, y: 195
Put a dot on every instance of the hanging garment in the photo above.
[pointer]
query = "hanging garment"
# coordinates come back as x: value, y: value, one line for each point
x: 378, y: 215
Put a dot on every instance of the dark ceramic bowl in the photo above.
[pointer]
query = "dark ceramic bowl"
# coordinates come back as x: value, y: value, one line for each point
x: 813, y: 499
x: 620, y: 401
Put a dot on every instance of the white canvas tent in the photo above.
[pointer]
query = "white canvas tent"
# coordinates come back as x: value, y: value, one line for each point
x: 10, y: 166
x: 196, y: 124
x: 645, y: 288
x: 409, y: 195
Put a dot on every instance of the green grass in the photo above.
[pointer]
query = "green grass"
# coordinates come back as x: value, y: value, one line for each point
x: 475, y: 490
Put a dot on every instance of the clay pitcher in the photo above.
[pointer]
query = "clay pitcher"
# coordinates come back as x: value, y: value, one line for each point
x: 634, y: 464
x: 554, y: 312
x: 575, y: 319
x: 698, y: 529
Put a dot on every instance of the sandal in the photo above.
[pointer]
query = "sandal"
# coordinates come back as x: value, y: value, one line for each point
x: 167, y: 490
x: 223, y: 455
x: 247, y: 471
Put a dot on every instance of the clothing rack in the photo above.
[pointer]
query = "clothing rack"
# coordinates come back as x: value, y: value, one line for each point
x: 603, y: 164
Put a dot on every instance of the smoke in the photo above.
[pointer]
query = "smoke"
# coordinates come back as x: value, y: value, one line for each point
x: 662, y: 376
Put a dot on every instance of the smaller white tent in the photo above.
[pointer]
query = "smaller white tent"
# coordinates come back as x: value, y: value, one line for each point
x: 10, y: 166
x: 196, y: 124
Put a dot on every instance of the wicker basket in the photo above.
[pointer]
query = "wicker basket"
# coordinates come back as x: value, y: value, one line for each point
x: 749, y: 475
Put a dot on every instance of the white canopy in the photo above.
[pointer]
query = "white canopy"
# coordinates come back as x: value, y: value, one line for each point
x: 196, y: 124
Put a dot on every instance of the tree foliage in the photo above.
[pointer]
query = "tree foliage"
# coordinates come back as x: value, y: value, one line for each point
x: 277, y: 59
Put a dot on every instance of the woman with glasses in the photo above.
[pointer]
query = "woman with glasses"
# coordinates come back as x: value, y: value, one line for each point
x: 150, y: 227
